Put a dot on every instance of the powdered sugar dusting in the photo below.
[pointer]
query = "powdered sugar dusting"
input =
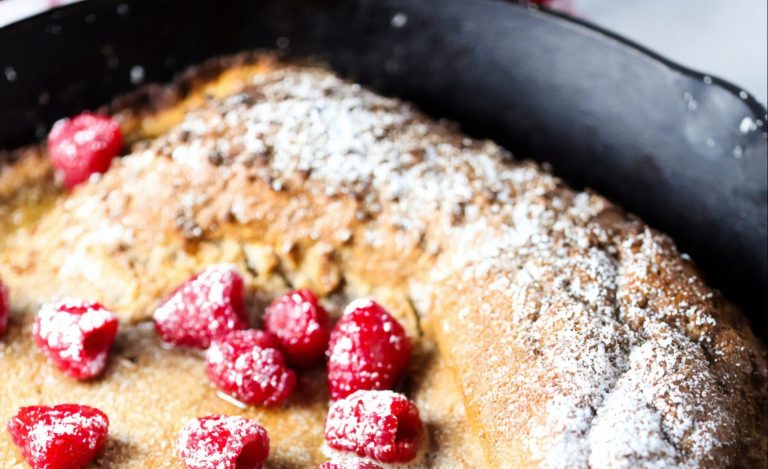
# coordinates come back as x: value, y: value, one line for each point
x: 381, y: 425
x: 208, y: 305
x: 44, y: 434
x: 358, y: 303
x: 576, y: 333
x: 42, y: 431
x: 63, y: 330
x: 216, y: 442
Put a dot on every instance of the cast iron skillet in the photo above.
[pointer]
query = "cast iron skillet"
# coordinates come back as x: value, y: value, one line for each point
x: 684, y: 151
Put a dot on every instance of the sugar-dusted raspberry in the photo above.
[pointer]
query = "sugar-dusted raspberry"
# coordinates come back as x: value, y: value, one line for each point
x: 5, y: 308
x: 348, y: 465
x: 84, y: 145
x: 65, y: 436
x: 368, y: 350
x: 208, y: 305
x: 223, y: 442
x: 382, y: 425
x: 76, y: 336
x: 248, y: 366
x: 301, y: 325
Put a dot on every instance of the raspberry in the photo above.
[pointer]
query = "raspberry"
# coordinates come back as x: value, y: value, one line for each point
x: 382, y: 425
x: 348, y: 465
x: 368, y: 350
x: 223, y: 442
x: 207, y: 306
x: 248, y: 366
x: 65, y: 436
x: 301, y: 325
x: 76, y: 336
x: 84, y: 145
x: 5, y: 309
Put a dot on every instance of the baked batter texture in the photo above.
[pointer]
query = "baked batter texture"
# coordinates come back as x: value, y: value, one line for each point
x: 551, y: 329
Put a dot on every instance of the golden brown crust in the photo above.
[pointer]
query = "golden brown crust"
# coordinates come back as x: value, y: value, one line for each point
x: 569, y: 333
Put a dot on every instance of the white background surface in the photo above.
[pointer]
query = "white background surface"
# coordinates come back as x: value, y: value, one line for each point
x: 725, y: 38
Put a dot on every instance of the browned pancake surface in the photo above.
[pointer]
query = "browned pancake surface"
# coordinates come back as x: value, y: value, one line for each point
x: 552, y: 328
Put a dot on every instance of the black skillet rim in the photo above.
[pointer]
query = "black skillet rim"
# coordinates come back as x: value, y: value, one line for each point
x: 748, y: 98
